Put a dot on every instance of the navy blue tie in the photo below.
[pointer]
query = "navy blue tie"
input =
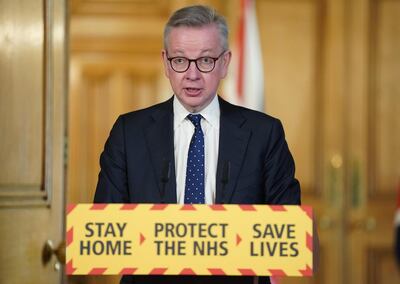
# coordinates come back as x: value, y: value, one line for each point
x: 194, y: 187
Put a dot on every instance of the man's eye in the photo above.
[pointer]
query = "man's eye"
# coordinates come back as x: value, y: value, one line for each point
x: 180, y: 60
x: 206, y: 60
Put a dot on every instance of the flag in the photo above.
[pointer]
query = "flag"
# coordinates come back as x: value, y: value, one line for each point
x: 397, y: 228
x: 245, y: 81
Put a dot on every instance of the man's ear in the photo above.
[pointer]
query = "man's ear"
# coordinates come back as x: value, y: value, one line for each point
x: 226, y: 59
x: 165, y: 62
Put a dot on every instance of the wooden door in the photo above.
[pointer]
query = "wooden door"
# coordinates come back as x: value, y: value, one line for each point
x: 302, y: 44
x: 373, y: 140
x: 331, y: 73
x: 32, y: 127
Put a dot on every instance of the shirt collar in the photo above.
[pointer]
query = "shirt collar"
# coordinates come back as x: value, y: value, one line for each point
x: 210, y: 113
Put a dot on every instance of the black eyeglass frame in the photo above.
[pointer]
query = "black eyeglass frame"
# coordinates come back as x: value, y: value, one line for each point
x: 195, y: 62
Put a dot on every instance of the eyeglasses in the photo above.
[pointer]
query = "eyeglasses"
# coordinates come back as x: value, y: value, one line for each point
x: 204, y: 64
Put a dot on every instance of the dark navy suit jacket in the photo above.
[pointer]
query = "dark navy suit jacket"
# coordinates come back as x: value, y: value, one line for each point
x: 141, y: 144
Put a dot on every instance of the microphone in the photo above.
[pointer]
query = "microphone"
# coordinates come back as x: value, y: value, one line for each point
x: 165, y: 176
x: 226, y: 171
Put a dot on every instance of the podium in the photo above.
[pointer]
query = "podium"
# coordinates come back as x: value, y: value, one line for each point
x: 173, y: 239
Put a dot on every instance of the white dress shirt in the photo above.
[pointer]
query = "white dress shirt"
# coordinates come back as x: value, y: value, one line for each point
x: 183, y: 132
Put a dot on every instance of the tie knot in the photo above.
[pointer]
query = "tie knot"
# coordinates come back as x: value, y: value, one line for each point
x: 195, y: 119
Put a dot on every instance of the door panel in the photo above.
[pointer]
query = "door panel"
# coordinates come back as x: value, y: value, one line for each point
x: 301, y: 45
x: 331, y: 73
x: 290, y: 38
x: 374, y: 142
x: 32, y: 123
x: 385, y: 94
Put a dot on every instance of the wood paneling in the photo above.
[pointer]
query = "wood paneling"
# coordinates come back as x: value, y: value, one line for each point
x: 385, y: 100
x: 100, y: 91
x: 134, y: 8
x: 331, y: 71
x: 32, y: 101
x: 381, y: 266
x: 373, y: 170
x: 22, y: 113
x: 289, y: 38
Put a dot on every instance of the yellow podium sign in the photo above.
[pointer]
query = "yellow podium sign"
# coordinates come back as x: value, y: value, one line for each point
x: 172, y: 239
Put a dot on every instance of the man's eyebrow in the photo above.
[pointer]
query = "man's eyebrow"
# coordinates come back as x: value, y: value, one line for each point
x: 180, y: 52
x: 177, y: 51
x: 206, y: 51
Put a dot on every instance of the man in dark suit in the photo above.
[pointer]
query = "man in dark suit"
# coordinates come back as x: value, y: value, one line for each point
x: 196, y: 147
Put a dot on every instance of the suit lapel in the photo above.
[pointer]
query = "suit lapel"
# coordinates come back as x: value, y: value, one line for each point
x: 160, y: 141
x: 233, y: 142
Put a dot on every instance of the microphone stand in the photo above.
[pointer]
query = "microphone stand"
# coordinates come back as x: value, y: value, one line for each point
x: 165, y: 176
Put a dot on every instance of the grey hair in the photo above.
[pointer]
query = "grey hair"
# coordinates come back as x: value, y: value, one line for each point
x: 197, y: 16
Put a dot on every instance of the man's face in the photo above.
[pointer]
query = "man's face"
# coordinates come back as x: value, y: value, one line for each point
x: 194, y: 89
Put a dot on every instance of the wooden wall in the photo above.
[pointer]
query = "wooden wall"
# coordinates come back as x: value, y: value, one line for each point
x: 331, y: 75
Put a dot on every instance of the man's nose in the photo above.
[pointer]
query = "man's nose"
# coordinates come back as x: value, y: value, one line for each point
x: 192, y: 73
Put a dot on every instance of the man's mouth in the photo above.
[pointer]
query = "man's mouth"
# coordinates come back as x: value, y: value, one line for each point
x: 192, y: 91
